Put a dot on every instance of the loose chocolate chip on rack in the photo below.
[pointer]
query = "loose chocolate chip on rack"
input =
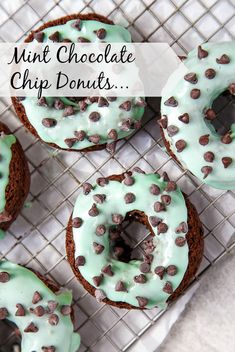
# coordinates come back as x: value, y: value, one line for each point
x: 163, y: 121
x: 20, y: 312
x: 31, y: 328
x: 195, y: 93
x: 168, y: 288
x: 100, y: 295
x: 55, y: 37
x: 66, y: 310
x: 160, y: 271
x: 100, y: 33
x: 98, y: 248
x: 144, y: 268
x: 38, y: 36
x: 166, y: 200
x: 226, y: 139
x: 80, y: 135
x: 80, y: 261
x: 95, y: 138
x: 231, y: 88
x: 102, y: 181
x: 204, y: 140
x: 210, y: 73
x: 162, y: 228
x: 87, y: 187
x: 93, y: 211
x: 180, y: 145
x: 154, y: 189
x: 172, y: 130
x: 97, y: 280
x: 180, y: 241
x: 183, y: 227
x: 191, y: 77
x: 120, y: 286
x: 83, y: 40
x: 51, y: 306
x: 77, y: 24
x: 100, y: 230
x: 201, y: 53
x: 171, y: 270
x: 165, y: 176
x: 53, y: 319
x: 107, y: 270
x: 154, y: 221
x: 171, y: 186
x: 48, y: 122
x: 117, y: 218
x: 224, y: 59
x: 3, y: 313
x: 68, y: 111
x: 210, y: 114
x: 113, y: 134
x: 128, y: 180
x: 140, y: 279
x: 206, y: 170
x: 70, y: 142
x: 58, y: 104
x: 226, y: 160
x: 48, y: 349
x: 139, y: 170
x: 42, y: 102
x: 102, y: 102
x: 126, y: 105
x: 99, y: 198
x: 36, y: 297
x: 158, y: 206
x: 39, y: 311
x: 171, y: 102
x: 129, y: 198
x: 77, y: 222
x: 4, y: 277
x: 94, y: 116
x: 142, y: 301
x: 184, y: 118
x: 209, y: 157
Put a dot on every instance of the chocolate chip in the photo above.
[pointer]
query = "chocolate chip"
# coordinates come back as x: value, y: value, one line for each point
x: 129, y: 198
x: 162, y: 228
x: 55, y: 37
x: 77, y: 222
x: 102, y: 102
x: 148, y: 248
x: 3, y: 313
x: 113, y: 134
x: 206, y: 170
x: 140, y: 102
x: 66, y: 310
x: 52, y: 305
x: 154, y: 189
x: 180, y: 145
x: 139, y: 170
x: 36, y: 297
x: 171, y: 270
x: 80, y: 261
x: 77, y: 24
x: 140, y: 279
x: 95, y: 138
x: 142, y: 301
x: 20, y: 312
x: 98, y: 248
x: 100, y: 33
x: 183, y: 227
x: 4, y: 277
x: 99, y: 198
x: 112, y: 98
x: 201, y: 53
x: 80, y: 135
x: 171, y: 102
x: 83, y: 106
x: 66, y: 40
x: 118, y: 251
x: 117, y: 218
x: 58, y: 104
x: 160, y: 271
x: 154, y: 221
x: 223, y: 60
x: 53, y: 319
x: 102, y: 181
x: 166, y: 199
x: 83, y: 40
x: 68, y: 111
x: 120, y: 286
x: 204, y: 140
x: 126, y: 105
x: 210, y: 73
x: 48, y: 349
x: 168, y: 288
x: 172, y: 130
x: 180, y: 241
x: 70, y: 142
x: 165, y: 176
x: 144, y: 268
x: 184, y: 118
x: 210, y: 114
x: 97, y: 280
x: 195, y: 93
x: 209, y: 157
x: 163, y: 121
x: 171, y: 186
x: 48, y: 122
x: 114, y: 233
x: 93, y: 211
x: 148, y: 258
x: 231, y: 88
x: 39, y: 311
x: 100, y: 230
x: 42, y: 102
x: 94, y: 116
x: 100, y: 295
x: 227, y: 161
x: 191, y: 77
x: 39, y: 36
x: 87, y: 187
x: 158, y: 206
x: 4, y: 216
x: 128, y: 180
x: 107, y: 270
x: 126, y: 125
x: 226, y: 139
x: 111, y: 147
x: 31, y: 328
x: 93, y: 99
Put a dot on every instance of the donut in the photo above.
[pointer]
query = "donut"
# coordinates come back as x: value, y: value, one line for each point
x: 14, y: 178
x: 40, y: 310
x: 171, y: 255
x: 187, y: 113
x: 82, y: 124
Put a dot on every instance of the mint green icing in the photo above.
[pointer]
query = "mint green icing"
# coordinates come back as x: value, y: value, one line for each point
x: 20, y: 290
x: 192, y: 156
x: 6, y: 141
x: 165, y: 253
x: 111, y: 116
x: 2, y: 234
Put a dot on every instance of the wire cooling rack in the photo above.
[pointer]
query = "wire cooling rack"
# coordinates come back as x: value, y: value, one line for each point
x: 37, y: 238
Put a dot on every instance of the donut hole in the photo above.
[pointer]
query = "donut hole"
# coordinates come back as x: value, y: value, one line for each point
x: 9, y: 336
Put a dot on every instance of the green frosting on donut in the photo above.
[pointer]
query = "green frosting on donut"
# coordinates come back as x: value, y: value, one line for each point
x: 18, y: 286
x: 112, y: 117
x: 163, y: 246
x: 211, y: 158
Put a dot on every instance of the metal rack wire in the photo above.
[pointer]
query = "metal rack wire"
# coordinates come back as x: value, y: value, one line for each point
x: 36, y: 239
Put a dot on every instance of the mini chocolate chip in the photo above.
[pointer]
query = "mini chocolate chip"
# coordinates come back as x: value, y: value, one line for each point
x: 98, y: 248
x: 172, y: 130
x: 148, y: 258
x: 126, y: 105
x: 165, y: 176
x: 111, y: 147
x: 210, y: 114
x: 58, y: 104
x: 36, y: 297
x: 114, y: 233
x: 95, y: 138
x: 113, y: 134
x: 80, y: 261
x: 149, y: 248
x: 163, y: 122
x: 20, y: 312
x: 68, y: 111
x: 201, y: 53
x: 184, y: 118
x: 93, y: 211
x: 158, y: 206
x: 77, y: 222
x: 204, y: 140
x: 166, y: 199
x: 128, y: 180
x: 83, y: 40
x: 154, y: 221
x: 100, y: 230
x: 180, y: 241
x: 66, y: 40
x: 209, y: 157
x: 144, y: 268
x: 100, y: 33
x: 66, y: 310
x: 100, y: 295
x: 4, y: 216
x: 140, y: 279
x: 171, y: 186
x: 210, y: 73
x: 118, y: 251
x: 80, y: 135
x: 39, y: 36
x: 224, y: 59
x: 42, y: 102
x: 129, y: 198
x: 94, y: 116
x: 168, y: 288
x: 112, y: 98
x: 39, y: 311
x: 126, y: 125
x: 171, y: 270
x: 107, y: 270
x: 99, y: 198
x: 4, y: 277
x: 93, y: 99
x: 70, y: 142
x: 3, y: 313
x: 206, y: 170
x: 231, y: 88
x: 180, y: 145
x: 120, y: 286
x: 53, y: 319
x: 48, y: 349
x: 55, y: 37
x: 117, y: 218
x: 102, y: 181
x: 140, y: 102
x: 160, y: 271
x: 52, y: 305
x: 87, y: 187
x: 162, y: 228
x: 183, y: 227
x: 171, y: 102
x: 139, y: 170
x: 102, y: 102
x: 97, y: 280
x: 77, y: 24
x: 83, y: 106
x: 226, y: 139
x: 191, y: 77
x: 195, y: 93
x: 154, y: 189
x: 226, y: 160
x: 48, y: 122
x: 142, y: 301
x: 31, y: 328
